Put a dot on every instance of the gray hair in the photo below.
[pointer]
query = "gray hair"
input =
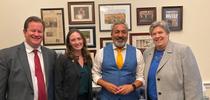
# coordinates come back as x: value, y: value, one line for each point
x: 162, y: 24
x: 117, y: 23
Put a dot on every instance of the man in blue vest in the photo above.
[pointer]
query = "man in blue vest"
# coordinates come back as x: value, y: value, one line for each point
x: 118, y: 67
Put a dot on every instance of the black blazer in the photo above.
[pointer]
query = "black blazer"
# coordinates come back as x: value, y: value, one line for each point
x: 67, y: 79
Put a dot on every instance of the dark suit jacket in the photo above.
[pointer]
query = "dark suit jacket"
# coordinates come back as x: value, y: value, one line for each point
x: 67, y: 79
x: 15, y: 76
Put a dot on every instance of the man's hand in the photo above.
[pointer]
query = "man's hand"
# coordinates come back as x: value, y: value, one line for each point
x: 125, y: 89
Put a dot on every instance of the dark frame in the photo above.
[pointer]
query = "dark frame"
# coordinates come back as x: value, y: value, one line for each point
x: 140, y: 40
x: 81, y: 13
x: 104, y: 40
x: 110, y: 13
x: 89, y: 32
x: 54, y: 26
x: 173, y: 15
x: 145, y: 16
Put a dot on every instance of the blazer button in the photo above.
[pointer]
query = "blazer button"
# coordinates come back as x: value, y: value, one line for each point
x: 159, y: 93
x: 158, y: 79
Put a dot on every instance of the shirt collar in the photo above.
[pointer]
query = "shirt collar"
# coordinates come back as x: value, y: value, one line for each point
x: 29, y: 49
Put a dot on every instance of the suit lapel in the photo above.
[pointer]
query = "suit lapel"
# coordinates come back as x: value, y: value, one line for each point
x: 23, y: 59
x: 166, y: 56
x: 46, y: 66
x: 148, y: 60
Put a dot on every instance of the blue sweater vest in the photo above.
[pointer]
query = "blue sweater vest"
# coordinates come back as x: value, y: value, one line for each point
x: 112, y: 74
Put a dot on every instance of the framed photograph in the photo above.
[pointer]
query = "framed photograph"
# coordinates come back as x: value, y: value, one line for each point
x: 111, y: 13
x: 81, y: 12
x: 105, y: 41
x: 173, y: 15
x: 89, y: 33
x: 145, y: 16
x: 140, y: 40
x: 60, y: 51
x: 92, y: 54
x: 54, y: 26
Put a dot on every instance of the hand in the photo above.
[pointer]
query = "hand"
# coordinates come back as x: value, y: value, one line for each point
x: 111, y: 88
x: 125, y: 89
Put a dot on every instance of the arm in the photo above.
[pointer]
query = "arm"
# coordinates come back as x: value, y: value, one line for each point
x: 59, y: 74
x: 4, y: 73
x: 96, y: 73
x: 192, y: 78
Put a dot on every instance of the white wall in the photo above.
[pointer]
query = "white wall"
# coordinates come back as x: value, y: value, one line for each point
x: 195, y: 33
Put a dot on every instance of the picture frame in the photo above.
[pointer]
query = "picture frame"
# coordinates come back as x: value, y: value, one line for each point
x: 111, y: 13
x: 54, y: 26
x: 105, y: 41
x: 89, y: 32
x: 92, y: 54
x: 140, y: 40
x: 146, y: 16
x: 60, y: 51
x: 174, y: 16
x: 81, y: 12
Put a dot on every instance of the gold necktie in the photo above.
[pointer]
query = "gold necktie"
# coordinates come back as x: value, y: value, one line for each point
x: 119, y: 58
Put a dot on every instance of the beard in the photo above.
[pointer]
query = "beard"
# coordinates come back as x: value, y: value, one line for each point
x: 120, y: 42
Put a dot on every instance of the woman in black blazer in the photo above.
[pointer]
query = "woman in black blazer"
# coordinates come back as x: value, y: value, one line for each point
x: 73, y: 79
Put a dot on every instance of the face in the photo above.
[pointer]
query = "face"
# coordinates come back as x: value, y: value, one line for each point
x: 160, y: 38
x: 76, y: 41
x: 34, y: 34
x: 119, y: 35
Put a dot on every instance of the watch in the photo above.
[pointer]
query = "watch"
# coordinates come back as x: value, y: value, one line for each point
x: 134, y: 86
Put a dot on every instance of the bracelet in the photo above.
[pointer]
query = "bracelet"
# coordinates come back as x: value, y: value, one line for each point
x: 134, y: 86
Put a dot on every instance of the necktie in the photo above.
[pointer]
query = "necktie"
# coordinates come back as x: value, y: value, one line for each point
x: 119, y: 58
x: 40, y: 78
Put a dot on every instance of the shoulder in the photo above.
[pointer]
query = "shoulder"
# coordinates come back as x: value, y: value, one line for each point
x: 11, y: 50
x: 179, y: 47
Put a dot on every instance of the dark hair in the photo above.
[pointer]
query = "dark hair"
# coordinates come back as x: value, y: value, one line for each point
x: 117, y: 23
x: 162, y: 24
x: 70, y: 51
x: 33, y: 19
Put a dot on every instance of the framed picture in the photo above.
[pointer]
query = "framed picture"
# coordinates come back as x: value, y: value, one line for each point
x: 89, y: 33
x: 81, y: 12
x: 140, y: 40
x: 105, y: 41
x: 59, y: 51
x: 54, y: 26
x: 145, y: 16
x: 92, y: 54
x: 173, y: 15
x: 111, y: 13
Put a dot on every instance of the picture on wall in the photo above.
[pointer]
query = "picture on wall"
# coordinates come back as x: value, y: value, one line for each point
x: 145, y: 16
x: 173, y: 15
x: 104, y: 41
x: 111, y: 13
x: 54, y: 26
x: 89, y: 33
x: 81, y: 12
x: 140, y: 40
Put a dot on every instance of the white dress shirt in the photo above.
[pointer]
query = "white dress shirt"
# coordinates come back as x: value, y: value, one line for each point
x: 30, y: 55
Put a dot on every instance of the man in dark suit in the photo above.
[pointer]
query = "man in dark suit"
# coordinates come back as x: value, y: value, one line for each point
x: 19, y: 74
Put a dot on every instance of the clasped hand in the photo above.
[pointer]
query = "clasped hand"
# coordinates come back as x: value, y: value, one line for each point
x: 123, y: 89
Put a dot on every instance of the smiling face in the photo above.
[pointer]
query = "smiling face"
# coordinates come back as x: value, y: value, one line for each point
x: 119, y: 35
x: 76, y: 41
x: 160, y: 37
x: 34, y: 34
